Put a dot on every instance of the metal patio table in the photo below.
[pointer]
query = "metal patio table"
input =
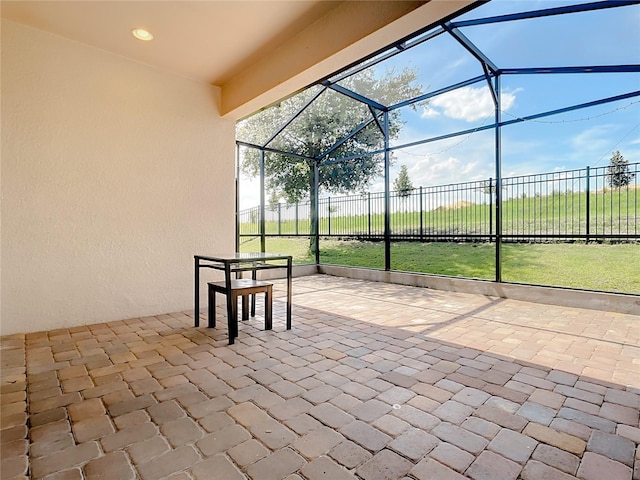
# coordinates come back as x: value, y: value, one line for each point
x: 236, y: 263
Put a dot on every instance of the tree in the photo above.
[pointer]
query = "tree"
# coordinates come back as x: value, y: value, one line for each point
x: 402, y: 184
x: 330, y: 118
x: 618, y: 171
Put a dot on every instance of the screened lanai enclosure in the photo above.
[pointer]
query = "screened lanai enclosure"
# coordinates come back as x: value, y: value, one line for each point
x: 501, y: 144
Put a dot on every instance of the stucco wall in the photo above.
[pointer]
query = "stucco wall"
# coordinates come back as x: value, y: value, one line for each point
x: 114, y: 175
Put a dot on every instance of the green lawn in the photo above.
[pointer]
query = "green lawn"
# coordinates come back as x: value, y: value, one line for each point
x: 613, y: 268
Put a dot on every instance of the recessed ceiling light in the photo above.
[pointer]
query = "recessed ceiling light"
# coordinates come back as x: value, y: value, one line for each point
x: 142, y: 34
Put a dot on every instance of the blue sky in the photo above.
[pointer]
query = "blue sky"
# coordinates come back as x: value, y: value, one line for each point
x: 561, y: 142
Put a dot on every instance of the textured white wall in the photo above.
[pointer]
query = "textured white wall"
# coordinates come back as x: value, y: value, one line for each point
x: 114, y: 175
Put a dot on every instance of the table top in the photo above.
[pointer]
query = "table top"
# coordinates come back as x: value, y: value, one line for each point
x: 238, y: 257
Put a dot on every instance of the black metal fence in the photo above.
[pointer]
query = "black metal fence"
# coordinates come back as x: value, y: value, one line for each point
x: 570, y: 205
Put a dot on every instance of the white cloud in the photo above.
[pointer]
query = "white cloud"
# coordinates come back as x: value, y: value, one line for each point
x: 428, y: 112
x: 432, y: 170
x: 595, y: 139
x: 467, y: 103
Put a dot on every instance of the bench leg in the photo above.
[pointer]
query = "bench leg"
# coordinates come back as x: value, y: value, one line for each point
x: 212, y: 308
x: 245, y: 307
x: 268, y: 304
x: 232, y: 321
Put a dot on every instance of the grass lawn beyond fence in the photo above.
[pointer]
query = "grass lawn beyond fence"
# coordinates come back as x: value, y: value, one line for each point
x: 603, y: 267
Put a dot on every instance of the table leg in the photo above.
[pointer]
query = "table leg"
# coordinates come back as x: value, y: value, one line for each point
x: 253, y: 297
x: 196, y: 308
x: 231, y: 311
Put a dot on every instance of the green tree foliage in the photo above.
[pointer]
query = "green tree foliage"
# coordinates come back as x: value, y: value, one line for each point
x: 330, y: 118
x: 618, y: 171
x: 402, y: 184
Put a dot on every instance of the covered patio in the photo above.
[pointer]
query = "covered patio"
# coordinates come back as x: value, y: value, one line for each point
x: 118, y: 166
x: 374, y: 381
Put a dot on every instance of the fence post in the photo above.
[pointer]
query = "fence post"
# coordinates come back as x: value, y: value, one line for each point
x: 263, y: 227
x: 490, y: 208
x: 421, y: 221
x: 588, y: 191
x: 296, y: 218
x: 369, y: 210
x: 279, y: 218
x: 329, y: 215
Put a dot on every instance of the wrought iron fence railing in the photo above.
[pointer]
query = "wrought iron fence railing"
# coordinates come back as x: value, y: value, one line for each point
x: 588, y: 204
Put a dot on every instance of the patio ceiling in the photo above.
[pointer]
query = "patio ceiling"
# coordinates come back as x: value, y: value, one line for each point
x: 256, y: 51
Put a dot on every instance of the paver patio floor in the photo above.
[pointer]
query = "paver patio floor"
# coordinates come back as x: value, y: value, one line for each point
x: 374, y: 382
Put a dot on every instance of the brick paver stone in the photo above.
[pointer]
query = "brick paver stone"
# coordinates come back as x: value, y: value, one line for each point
x: 173, y: 461
x: 429, y: 469
x: 537, y: 413
x: 181, y: 431
x: 222, y: 440
x: 452, y: 456
x: 551, y: 436
x: 396, y: 395
x: 321, y: 394
x: 414, y: 444
x: 491, y: 466
x: 391, y: 425
x: 202, y: 409
x: 592, y: 421
x: 67, y: 458
x: 128, y: 436
x: 303, y: 424
x: 272, y: 433
x: 365, y: 435
x: 535, y: 470
x: 626, y: 431
x: 248, y: 452
x: 216, y: 421
x: 596, y: 467
x: 349, y: 454
x: 290, y: 408
x: 248, y: 414
x: 556, y: 458
x: 218, y: 466
x: 460, y: 437
x: 92, y: 428
x: 513, y: 445
x: 323, y: 468
x: 501, y: 417
x: 127, y: 406
x: 331, y: 415
x: 398, y: 379
x: 165, y: 411
x: 471, y: 396
x: 385, y: 465
x: 142, y: 452
x: 453, y: 412
x: 370, y: 410
x: 15, y: 466
x: 416, y: 417
x: 86, y: 409
x: 113, y: 465
x: 481, y: 427
x: 613, y: 447
x: 276, y: 466
x: 619, y: 413
x: 317, y: 442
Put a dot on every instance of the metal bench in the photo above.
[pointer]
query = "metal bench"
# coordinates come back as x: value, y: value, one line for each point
x: 241, y: 287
